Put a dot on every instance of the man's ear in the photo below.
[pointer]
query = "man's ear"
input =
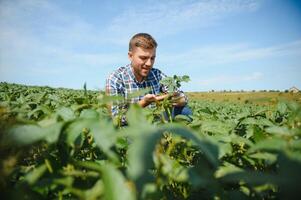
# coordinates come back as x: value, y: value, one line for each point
x: 130, y: 55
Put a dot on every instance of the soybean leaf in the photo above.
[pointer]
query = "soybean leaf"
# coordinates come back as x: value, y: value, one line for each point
x: 66, y: 114
x: 271, y: 144
x: 89, y: 113
x: 227, y: 168
x: 29, y: 134
x: 115, y: 185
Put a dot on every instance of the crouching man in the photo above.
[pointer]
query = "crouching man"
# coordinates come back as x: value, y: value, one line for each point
x: 140, y: 74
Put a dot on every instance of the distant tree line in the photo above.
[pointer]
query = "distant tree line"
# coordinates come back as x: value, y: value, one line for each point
x: 230, y: 91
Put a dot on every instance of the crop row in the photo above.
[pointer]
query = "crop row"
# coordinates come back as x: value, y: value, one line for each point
x: 62, y: 144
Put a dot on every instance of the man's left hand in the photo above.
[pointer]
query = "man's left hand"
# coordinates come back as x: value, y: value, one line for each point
x: 178, y: 99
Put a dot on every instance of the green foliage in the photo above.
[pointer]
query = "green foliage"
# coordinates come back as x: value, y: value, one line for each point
x: 174, y: 83
x: 62, y: 144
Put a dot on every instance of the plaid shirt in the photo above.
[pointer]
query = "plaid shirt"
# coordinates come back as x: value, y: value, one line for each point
x: 123, y: 82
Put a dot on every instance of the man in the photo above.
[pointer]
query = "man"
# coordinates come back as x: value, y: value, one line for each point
x: 140, y: 74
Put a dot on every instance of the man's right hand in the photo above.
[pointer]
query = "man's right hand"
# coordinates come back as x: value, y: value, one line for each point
x: 150, y: 98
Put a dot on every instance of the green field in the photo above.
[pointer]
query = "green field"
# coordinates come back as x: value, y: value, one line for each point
x: 62, y: 144
x: 260, y: 98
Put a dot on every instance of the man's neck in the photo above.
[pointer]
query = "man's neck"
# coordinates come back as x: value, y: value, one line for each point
x: 137, y: 76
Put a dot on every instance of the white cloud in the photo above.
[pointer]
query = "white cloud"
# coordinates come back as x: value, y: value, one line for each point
x: 46, y: 23
x: 232, y: 79
x: 170, y: 17
x: 218, y: 55
x: 35, y: 28
x: 40, y: 38
x: 254, y: 76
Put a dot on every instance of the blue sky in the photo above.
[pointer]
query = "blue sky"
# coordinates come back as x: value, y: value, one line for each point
x: 220, y: 44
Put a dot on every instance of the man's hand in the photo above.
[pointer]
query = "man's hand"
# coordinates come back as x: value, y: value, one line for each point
x: 162, y: 97
x: 178, y: 100
x: 150, y: 98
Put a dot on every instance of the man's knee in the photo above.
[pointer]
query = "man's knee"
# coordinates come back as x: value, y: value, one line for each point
x: 183, y: 110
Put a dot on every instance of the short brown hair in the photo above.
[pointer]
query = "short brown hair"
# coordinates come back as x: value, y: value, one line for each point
x: 143, y: 40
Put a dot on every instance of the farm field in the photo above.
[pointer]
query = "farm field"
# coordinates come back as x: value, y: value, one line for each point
x: 260, y: 98
x: 62, y: 144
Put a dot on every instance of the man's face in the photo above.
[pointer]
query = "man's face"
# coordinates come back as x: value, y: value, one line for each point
x: 142, y: 61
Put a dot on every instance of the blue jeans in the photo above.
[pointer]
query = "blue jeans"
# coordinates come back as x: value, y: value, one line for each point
x: 183, y: 110
x: 180, y: 110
